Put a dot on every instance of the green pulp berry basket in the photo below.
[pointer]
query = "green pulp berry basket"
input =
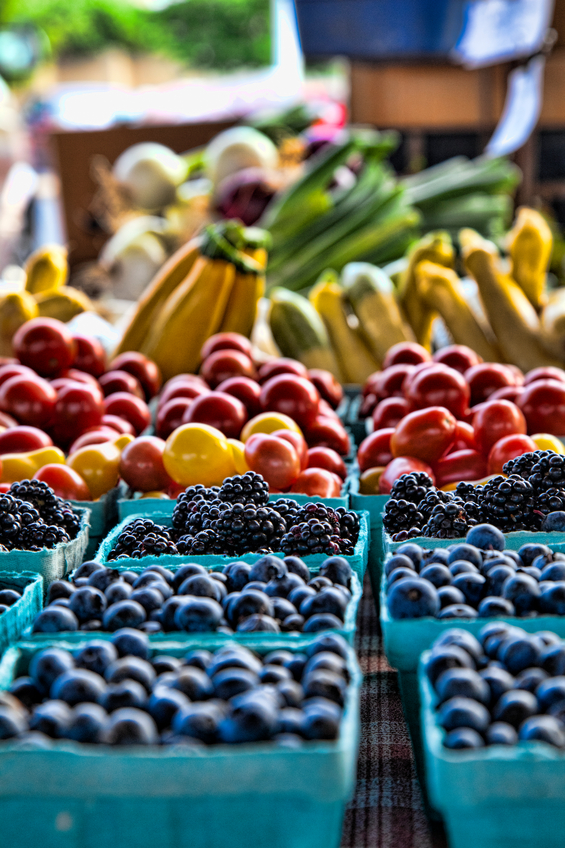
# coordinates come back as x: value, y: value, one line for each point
x: 246, y: 796
x: 375, y: 506
x: 21, y: 614
x: 514, y: 541
x: 103, y: 516
x: 358, y: 561
x: 493, y: 797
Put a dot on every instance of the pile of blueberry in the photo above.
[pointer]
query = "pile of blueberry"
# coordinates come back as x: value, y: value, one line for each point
x: 118, y: 693
x: 270, y: 595
x: 32, y: 517
x: 505, y: 687
x: 475, y: 579
x: 237, y: 518
x: 530, y: 497
x: 8, y: 598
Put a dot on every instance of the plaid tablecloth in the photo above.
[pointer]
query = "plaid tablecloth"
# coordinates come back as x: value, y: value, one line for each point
x: 386, y: 810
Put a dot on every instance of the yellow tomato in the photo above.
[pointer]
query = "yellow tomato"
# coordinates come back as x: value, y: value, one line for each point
x: 22, y: 466
x: 98, y: 465
x: 162, y: 496
x: 122, y: 441
x: 369, y: 480
x: 268, y: 422
x: 198, y: 453
x: 237, y: 451
x: 545, y: 441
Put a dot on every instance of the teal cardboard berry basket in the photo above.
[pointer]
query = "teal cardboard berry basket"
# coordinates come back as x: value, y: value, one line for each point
x: 514, y: 541
x: 103, y: 516
x: 375, y: 506
x: 497, y: 796
x: 21, y: 614
x: 69, y: 795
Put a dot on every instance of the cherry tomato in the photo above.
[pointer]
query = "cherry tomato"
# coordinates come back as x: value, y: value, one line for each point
x: 390, y: 382
x: 190, y: 378
x: 81, y: 377
x: 120, y: 381
x: 293, y: 396
x: 375, y: 449
x: 46, y: 345
x: 328, y: 433
x: 31, y: 400
x: 90, y: 355
x: 15, y: 370
x: 506, y: 449
x: 416, y: 370
x: 237, y: 449
x: 390, y: 411
x: 408, y: 353
x: 226, y: 341
x: 459, y: 357
x: 132, y: 408
x: 275, y: 459
x: 65, y: 482
x: 486, y: 377
x: 141, y: 464
x: 268, y: 422
x: 326, y: 410
x: 119, y: 424
x: 7, y: 421
x: 546, y: 442
x: 298, y: 442
x: 426, y: 434
x: 399, y: 466
x: 62, y: 382
x: 518, y: 374
x: 146, y: 371
x: 22, y: 439
x: 370, y: 386
x: 220, y: 410
x: 94, y: 437
x: 494, y: 420
x: 511, y: 393
x: 223, y: 364
x: 439, y: 385
x: 543, y: 405
x: 368, y: 405
x: 182, y: 388
x: 78, y: 407
x: 460, y: 465
x: 369, y: 481
x: 317, y: 481
x: 98, y: 465
x: 328, y: 387
x: 282, y: 365
x: 547, y: 373
x: 464, y: 437
x: 328, y: 459
x: 244, y: 389
x: 197, y: 453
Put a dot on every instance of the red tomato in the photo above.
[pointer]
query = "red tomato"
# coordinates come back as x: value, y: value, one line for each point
x: 7, y: 421
x: 327, y: 433
x: 282, y: 365
x: 22, y: 439
x: 90, y: 355
x: 96, y: 436
x: 30, y: 400
x: 81, y: 377
x: 220, y: 410
x: 459, y: 357
x: 328, y: 387
x: 326, y: 410
x: 511, y: 393
x: 226, y: 341
x: 408, y: 353
x: 494, y: 420
x: 170, y: 415
x: 46, y: 345
x: 186, y: 378
x: 508, y: 448
x: 368, y: 405
x: 486, y: 378
x: 390, y: 411
x: 439, y: 385
x: 417, y: 369
x: 120, y: 381
x: 464, y: 437
x: 132, y: 408
x: 14, y: 369
x: 426, y: 434
x: 317, y: 481
x: 370, y: 386
x: 374, y: 451
x: 118, y: 424
x: 62, y: 382
x: 293, y: 396
x: 78, y: 408
x: 141, y: 465
x: 399, y: 466
x: 298, y: 442
x: 223, y: 364
x: 65, y: 482
x: 518, y: 374
x: 246, y: 390
x: 274, y: 458
x: 543, y: 405
x: 547, y: 373
x: 182, y: 388
x: 390, y: 382
x: 147, y: 372
x: 460, y: 465
x: 328, y: 459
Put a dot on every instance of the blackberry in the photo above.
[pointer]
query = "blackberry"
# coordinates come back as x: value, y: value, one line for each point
x: 38, y: 535
x: 141, y: 538
x: 36, y: 492
x: 447, y: 521
x: 320, y: 512
x: 404, y: 535
x: 509, y: 503
x: 348, y: 525
x: 432, y: 499
x: 286, y: 508
x: 245, y: 488
x: 411, y: 487
x: 548, y: 472
x: 309, y: 537
x: 243, y: 528
x: 401, y: 515
x: 523, y: 465
x: 203, y: 542
x: 467, y: 492
x: 552, y: 500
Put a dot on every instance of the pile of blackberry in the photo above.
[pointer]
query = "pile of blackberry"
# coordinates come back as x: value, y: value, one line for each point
x: 447, y: 521
x: 32, y: 517
x: 141, y: 538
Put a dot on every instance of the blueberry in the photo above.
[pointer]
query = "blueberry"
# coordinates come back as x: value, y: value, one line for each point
x: 249, y: 603
x: 52, y: 718
x: 12, y: 722
x: 458, y: 611
x: 552, y: 659
x: 520, y: 652
x: 466, y: 553
x: 131, y: 668
x: 101, y: 578
x: 234, y: 656
x: 463, y: 712
x: 472, y: 585
x: 77, y: 686
x: 462, y: 682
x: 555, y: 521
x: 401, y: 573
x: 47, y: 665
x: 324, y: 683
x: 551, y: 691
x: 199, y: 658
x: 186, y: 571
x: 268, y: 567
x: 463, y: 737
x: 553, y: 571
x: 444, y: 657
x: 200, y: 585
x: 200, y: 721
x: 86, y: 569
x: 412, y: 551
x: 4, y: 608
x: 543, y: 728
x: 557, y: 710
x: 337, y: 569
x: 130, y: 726
x: 515, y: 706
x: 440, y: 555
x: 219, y: 577
x: 129, y: 576
x: 91, y: 626
x: 281, y: 587
x: 501, y: 559
x: 501, y: 733
x: 322, y: 621
x: 169, y: 610
x: 293, y: 623
x: 548, y: 638
x: 233, y: 681
x: 319, y: 582
x: 282, y: 609
x: 126, y: 693
x: 523, y: 591
x: 193, y: 683
x: 59, y: 589
x: 274, y: 674
x: 296, y: 665
x: 497, y: 577
x: 326, y: 601
x: 198, y: 615
x: 253, y: 718
x: 552, y: 599
x: 163, y: 572
x: 58, y: 602
x: 499, y: 681
x: 295, y: 565
x: 321, y: 720
x: 492, y: 636
x: 291, y: 692
x: 238, y: 574
x: 332, y: 642
x: 87, y: 723
x: 96, y: 656
x: 290, y: 720
x: 486, y: 537
x: 162, y: 663
x: 329, y: 661
x: 149, y: 598
x: 531, y: 570
x: 55, y: 620
x: 462, y: 567
x: 255, y: 584
x: 128, y: 641
x: 164, y: 704
x: 531, y: 550
x: 258, y: 623
x: 26, y: 691
x: 493, y: 607
x: 450, y: 596
x: 150, y: 627
x: 530, y: 679
x: 123, y: 614
x: 462, y: 639
x: 118, y: 591
x: 413, y: 598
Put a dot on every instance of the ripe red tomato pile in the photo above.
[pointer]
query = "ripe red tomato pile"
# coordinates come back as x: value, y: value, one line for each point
x: 454, y: 416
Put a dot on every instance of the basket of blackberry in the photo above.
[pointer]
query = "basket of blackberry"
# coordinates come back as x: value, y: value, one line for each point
x: 40, y: 531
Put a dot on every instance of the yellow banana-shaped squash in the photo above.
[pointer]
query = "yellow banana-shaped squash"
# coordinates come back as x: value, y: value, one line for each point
x: 530, y: 243
x: 63, y: 303
x: 46, y: 269
x: 435, y: 247
x: 553, y: 324
x: 440, y: 288
x: 355, y: 359
x: 15, y: 309
x: 241, y: 310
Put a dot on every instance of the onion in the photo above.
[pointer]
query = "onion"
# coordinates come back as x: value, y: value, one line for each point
x: 151, y: 172
x: 237, y: 149
x: 245, y: 195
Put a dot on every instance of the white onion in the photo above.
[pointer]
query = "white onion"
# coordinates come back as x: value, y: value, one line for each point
x: 151, y: 172
x: 236, y: 149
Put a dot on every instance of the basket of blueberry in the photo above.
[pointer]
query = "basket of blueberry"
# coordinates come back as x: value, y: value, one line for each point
x: 21, y: 598
x: 40, y: 531
x: 269, y: 596
x: 118, y: 740
x: 494, y: 735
